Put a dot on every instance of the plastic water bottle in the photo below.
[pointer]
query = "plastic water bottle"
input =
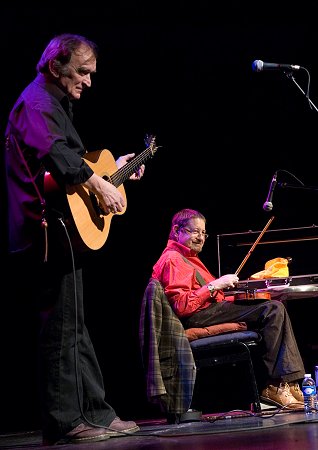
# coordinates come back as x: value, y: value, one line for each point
x: 310, y: 393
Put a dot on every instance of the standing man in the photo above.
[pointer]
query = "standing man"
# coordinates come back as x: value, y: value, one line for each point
x: 41, y: 138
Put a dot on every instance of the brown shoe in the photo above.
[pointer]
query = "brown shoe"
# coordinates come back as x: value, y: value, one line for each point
x: 296, y: 391
x: 85, y: 433
x: 280, y: 396
x: 121, y: 428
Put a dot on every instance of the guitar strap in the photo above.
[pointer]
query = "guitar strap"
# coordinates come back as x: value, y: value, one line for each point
x: 198, y: 276
x: 44, y: 223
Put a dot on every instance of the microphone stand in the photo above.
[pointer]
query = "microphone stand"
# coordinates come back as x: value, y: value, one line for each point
x: 291, y: 186
x: 290, y: 76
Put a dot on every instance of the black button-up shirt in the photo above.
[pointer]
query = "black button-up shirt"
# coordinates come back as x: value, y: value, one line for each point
x: 40, y: 137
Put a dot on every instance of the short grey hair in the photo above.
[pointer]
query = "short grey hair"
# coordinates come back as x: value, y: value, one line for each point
x: 181, y: 219
x: 60, y: 50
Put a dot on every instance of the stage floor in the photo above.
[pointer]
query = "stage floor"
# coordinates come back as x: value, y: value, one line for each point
x: 235, y: 430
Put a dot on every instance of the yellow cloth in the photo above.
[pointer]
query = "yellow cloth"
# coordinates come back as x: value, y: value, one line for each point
x: 277, y: 267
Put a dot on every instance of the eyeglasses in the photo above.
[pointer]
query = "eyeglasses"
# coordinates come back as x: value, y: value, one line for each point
x: 196, y: 232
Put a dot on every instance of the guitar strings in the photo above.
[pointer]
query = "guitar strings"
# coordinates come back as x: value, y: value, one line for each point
x: 121, y: 174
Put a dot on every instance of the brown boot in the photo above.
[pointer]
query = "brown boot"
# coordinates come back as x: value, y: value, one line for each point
x: 119, y: 427
x: 296, y: 391
x: 86, y: 433
x: 280, y: 396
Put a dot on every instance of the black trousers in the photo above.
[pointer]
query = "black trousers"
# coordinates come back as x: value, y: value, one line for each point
x: 280, y: 354
x: 70, y: 378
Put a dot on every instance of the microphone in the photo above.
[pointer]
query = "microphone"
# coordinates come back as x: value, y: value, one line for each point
x: 259, y: 66
x: 268, y: 205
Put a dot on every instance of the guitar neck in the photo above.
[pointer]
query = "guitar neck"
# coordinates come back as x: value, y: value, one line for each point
x: 131, y: 167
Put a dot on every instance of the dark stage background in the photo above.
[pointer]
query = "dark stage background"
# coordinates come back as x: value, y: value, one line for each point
x: 181, y: 71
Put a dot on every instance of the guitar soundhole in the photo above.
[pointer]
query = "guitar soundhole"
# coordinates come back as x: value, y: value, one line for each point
x: 95, y: 204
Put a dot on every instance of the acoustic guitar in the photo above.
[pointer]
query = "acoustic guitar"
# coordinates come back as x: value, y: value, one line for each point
x: 88, y: 224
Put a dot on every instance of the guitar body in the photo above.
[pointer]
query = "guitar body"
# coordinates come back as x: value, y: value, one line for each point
x: 87, y: 223
x: 92, y: 225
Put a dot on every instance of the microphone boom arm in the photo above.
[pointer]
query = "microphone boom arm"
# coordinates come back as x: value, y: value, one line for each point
x: 291, y: 186
x: 290, y: 75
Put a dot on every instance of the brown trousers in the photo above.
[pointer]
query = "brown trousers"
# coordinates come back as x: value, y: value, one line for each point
x: 280, y: 354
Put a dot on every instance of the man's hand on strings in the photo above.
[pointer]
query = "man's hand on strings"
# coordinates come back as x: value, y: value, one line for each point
x: 122, y: 160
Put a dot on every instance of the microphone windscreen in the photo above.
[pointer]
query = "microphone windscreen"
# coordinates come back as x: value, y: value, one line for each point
x: 257, y: 65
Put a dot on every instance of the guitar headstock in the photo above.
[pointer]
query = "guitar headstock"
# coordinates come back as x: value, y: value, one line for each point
x: 150, y: 142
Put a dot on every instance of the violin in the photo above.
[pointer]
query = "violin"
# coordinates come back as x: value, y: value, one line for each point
x: 254, y: 296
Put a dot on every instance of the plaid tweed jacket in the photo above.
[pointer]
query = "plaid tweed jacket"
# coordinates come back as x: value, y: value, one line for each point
x: 166, y: 353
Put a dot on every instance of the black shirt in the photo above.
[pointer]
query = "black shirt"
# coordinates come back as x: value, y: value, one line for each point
x: 40, y: 137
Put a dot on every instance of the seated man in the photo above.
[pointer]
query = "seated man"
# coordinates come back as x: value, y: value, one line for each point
x: 180, y: 270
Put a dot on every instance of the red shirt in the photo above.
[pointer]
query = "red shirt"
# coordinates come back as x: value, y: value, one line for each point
x: 178, y: 278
